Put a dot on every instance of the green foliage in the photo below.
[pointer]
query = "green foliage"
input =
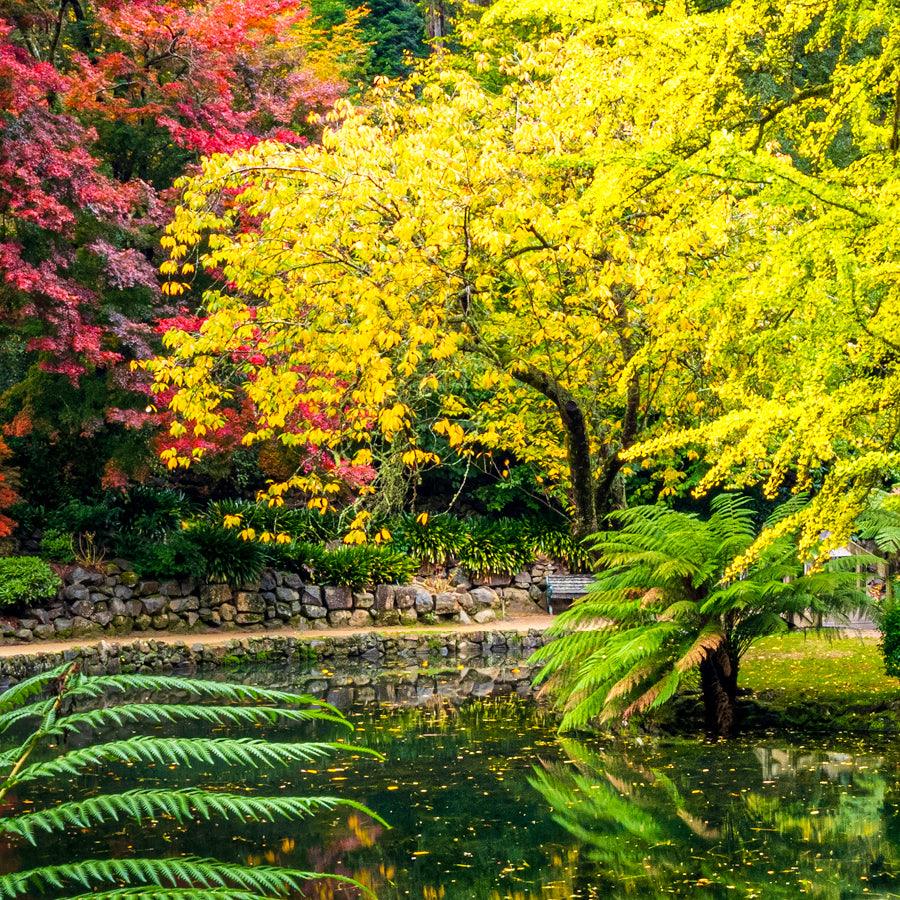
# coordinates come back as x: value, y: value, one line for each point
x: 671, y: 607
x: 348, y: 566
x: 430, y: 539
x: 496, y: 547
x: 56, y: 546
x: 101, y: 518
x: 66, y: 704
x: 889, y: 623
x: 152, y: 512
x: 482, y: 545
x: 26, y: 580
x: 227, y: 556
x: 300, y: 524
x: 174, y: 555
x: 387, y: 566
x: 359, y: 566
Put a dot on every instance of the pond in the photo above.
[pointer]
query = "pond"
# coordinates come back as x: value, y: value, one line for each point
x: 486, y: 802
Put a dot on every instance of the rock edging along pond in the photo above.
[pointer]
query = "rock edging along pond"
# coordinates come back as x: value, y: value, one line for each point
x: 116, y: 602
x: 156, y: 656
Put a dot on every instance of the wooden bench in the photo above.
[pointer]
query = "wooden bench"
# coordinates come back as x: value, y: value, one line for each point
x: 563, y: 589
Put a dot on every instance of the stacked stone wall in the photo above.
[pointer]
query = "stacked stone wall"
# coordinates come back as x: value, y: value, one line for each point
x: 117, y: 602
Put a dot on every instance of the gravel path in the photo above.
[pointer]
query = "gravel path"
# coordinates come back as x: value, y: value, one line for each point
x: 218, y: 637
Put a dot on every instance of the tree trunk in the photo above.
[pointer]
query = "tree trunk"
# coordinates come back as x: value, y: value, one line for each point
x: 578, y: 444
x: 718, y: 680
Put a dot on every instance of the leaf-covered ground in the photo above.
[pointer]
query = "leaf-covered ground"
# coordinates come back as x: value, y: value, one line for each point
x: 819, y: 682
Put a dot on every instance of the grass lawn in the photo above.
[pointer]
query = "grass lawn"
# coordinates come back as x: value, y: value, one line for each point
x: 811, y: 677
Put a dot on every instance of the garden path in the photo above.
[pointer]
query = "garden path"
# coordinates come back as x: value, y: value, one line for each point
x: 215, y: 638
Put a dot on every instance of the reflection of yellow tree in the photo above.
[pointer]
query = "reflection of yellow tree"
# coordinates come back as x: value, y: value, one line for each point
x: 658, y: 835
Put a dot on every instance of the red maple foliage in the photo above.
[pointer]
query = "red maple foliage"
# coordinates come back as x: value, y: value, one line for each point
x: 103, y: 104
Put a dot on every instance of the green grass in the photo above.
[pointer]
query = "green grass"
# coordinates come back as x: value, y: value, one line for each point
x: 813, y: 681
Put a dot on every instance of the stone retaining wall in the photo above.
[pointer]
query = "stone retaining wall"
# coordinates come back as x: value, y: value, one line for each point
x: 117, y: 602
x: 156, y: 657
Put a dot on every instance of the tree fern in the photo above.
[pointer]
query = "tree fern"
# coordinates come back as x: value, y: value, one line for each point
x: 659, y: 611
x: 133, y: 700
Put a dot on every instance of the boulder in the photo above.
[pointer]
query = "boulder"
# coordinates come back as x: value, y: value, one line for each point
x: 485, y: 597
x: 154, y: 604
x: 445, y: 604
x: 249, y: 602
x: 360, y: 618
x: 214, y: 595
x: 424, y: 602
x: 338, y: 597
x: 384, y: 597
x: 287, y: 595
x: 227, y: 611
x: 184, y: 604
x: 311, y: 595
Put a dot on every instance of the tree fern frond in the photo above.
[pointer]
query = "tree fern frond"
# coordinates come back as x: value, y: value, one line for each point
x: 30, y: 687
x: 158, y: 893
x: 711, y: 638
x: 180, y: 805
x: 107, y: 685
x: 175, y: 871
x: 631, y: 679
x: 31, y: 711
x: 163, y: 751
x: 157, y: 713
x: 655, y: 695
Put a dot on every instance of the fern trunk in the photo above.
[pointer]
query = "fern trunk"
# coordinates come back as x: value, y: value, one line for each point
x: 718, y: 680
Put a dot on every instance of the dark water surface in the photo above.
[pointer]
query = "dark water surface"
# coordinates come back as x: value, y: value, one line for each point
x: 486, y: 802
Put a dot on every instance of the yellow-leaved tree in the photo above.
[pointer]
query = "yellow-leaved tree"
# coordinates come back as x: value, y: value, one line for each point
x: 453, y: 232
x: 663, y: 225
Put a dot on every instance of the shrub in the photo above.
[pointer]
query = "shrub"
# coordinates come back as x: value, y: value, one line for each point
x: 26, y: 580
x: 100, y: 519
x: 153, y: 512
x: 301, y: 524
x: 172, y: 556
x: 57, y: 546
x: 491, y: 548
x: 297, y: 556
x: 889, y: 623
x: 348, y: 566
x: 387, y: 566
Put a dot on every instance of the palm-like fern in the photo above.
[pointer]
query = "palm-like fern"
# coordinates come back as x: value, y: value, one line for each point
x: 660, y: 609
x: 134, y: 699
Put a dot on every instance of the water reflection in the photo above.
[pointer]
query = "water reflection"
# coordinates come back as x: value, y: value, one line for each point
x: 487, y: 803
x: 732, y: 819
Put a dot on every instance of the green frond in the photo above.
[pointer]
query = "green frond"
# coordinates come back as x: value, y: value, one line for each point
x: 157, y: 713
x: 164, y: 751
x: 222, y: 692
x: 182, y: 806
x: 30, y: 687
x: 33, y: 710
x: 176, y: 871
x: 158, y: 893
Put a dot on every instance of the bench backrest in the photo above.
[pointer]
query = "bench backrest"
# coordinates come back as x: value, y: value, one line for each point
x: 563, y: 589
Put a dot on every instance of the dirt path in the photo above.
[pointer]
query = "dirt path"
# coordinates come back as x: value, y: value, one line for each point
x: 217, y: 638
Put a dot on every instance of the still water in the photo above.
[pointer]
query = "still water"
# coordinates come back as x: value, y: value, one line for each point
x: 486, y: 802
